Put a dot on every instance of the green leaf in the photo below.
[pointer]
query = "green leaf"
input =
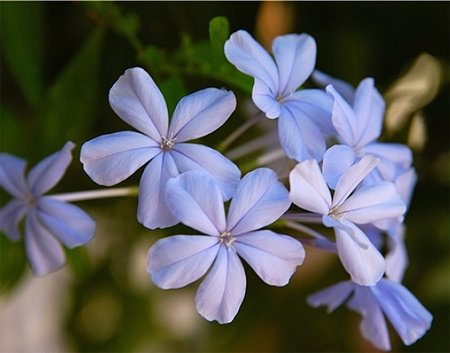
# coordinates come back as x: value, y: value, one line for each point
x: 79, y: 262
x: 12, y: 132
x: 219, y: 32
x: 21, y: 42
x: 71, y: 102
x: 13, y: 264
x: 173, y: 90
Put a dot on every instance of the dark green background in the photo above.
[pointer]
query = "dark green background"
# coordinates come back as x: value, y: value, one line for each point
x: 355, y: 40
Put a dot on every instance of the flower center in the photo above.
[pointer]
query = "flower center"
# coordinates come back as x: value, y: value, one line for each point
x: 167, y: 143
x: 337, y: 214
x: 279, y: 98
x: 226, y: 239
x: 31, y: 201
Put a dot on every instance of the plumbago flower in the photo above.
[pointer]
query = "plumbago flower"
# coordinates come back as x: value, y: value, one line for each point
x: 407, y: 315
x: 303, y: 116
x: 48, y: 220
x: 109, y: 159
x: 358, y: 117
x: 359, y: 125
x: 347, y: 207
x: 176, y: 261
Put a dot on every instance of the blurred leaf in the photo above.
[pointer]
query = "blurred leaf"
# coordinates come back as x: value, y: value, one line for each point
x: 173, y: 90
x: 12, y: 139
x: 21, y: 42
x: 71, y: 102
x: 78, y: 260
x: 12, y: 264
x: 108, y: 13
x: 219, y: 31
x: 153, y: 58
x: 412, y: 91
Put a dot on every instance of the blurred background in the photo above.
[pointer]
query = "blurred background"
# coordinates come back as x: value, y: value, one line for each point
x: 58, y: 62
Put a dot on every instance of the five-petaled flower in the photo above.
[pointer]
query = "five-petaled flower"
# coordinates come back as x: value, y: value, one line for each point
x: 303, y: 115
x: 109, y: 159
x: 407, y: 315
x: 176, y: 261
x: 48, y: 220
x: 349, y: 206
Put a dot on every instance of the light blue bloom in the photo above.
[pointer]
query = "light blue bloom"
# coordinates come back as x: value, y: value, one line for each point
x: 407, y: 315
x: 347, y: 207
x: 359, y: 125
x: 109, y: 159
x: 176, y: 261
x: 48, y: 220
x: 304, y: 115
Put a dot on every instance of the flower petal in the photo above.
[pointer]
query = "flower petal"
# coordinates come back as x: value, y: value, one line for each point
x: 201, y: 113
x: 359, y: 257
x: 12, y: 175
x: 373, y: 203
x: 44, y: 252
x: 176, y: 261
x: 274, y: 257
x: 343, y: 117
x: 152, y: 209
x: 110, y: 159
x: 265, y: 99
x: 408, y: 316
x: 336, y: 160
x: 295, y: 55
x: 308, y: 188
x: 299, y: 135
x: 48, y: 172
x: 332, y: 296
x: 221, y: 293
x: 67, y: 222
x: 260, y: 199
x: 190, y: 156
x: 137, y: 100
x: 397, y: 257
x: 351, y: 178
x: 395, y: 158
x: 244, y: 52
x: 369, y: 107
x: 373, y: 325
x: 10, y: 216
x: 346, y: 90
x: 405, y: 184
x: 317, y: 105
x: 195, y: 200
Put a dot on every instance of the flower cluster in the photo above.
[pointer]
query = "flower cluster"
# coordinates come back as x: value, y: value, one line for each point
x: 343, y: 178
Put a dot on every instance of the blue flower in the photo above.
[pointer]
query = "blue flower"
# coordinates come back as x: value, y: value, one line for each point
x: 48, y: 220
x: 358, y: 120
x: 347, y: 207
x: 303, y: 116
x: 176, y: 261
x: 407, y: 315
x: 109, y: 159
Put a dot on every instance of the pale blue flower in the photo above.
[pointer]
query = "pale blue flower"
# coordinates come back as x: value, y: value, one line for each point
x: 347, y: 207
x: 358, y: 125
x: 304, y: 115
x: 109, y: 159
x: 176, y: 261
x: 48, y: 220
x: 388, y: 298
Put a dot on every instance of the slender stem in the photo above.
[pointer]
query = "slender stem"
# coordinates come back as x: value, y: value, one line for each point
x: 270, y: 157
x: 303, y: 217
x: 96, y: 194
x: 239, y: 131
x: 306, y: 230
x: 252, y: 146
